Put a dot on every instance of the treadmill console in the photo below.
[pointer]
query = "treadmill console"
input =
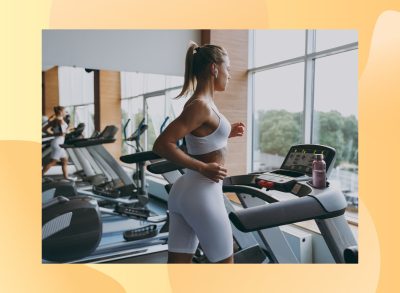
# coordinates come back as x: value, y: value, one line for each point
x: 298, y: 161
x: 108, y: 132
x: 296, y: 167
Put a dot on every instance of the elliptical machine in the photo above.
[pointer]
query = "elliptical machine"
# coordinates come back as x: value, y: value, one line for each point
x: 71, y: 228
x: 138, y: 176
x: 67, y: 220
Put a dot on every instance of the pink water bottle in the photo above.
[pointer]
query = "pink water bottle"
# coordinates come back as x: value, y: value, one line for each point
x: 319, y: 171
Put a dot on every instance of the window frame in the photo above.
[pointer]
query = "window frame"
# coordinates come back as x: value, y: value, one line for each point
x: 73, y: 112
x: 150, y: 95
x: 309, y: 58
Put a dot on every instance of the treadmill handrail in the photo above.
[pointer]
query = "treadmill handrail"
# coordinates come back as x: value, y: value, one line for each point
x: 162, y: 167
x: 139, y: 157
x: 142, y: 156
x: 280, y: 213
x: 88, y: 142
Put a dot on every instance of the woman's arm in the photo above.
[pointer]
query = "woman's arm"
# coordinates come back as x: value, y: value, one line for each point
x: 70, y: 129
x: 46, y: 129
x: 49, y: 125
x: 192, y: 117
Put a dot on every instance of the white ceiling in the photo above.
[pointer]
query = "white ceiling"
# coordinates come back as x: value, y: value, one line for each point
x: 148, y: 51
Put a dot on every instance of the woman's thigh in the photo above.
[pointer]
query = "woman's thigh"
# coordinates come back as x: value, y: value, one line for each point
x: 205, y: 212
x: 182, y: 238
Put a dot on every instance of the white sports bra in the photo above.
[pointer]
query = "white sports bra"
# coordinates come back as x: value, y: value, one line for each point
x: 63, y: 128
x: 199, y: 145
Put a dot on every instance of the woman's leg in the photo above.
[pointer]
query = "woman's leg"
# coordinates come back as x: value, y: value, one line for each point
x: 182, y: 241
x: 226, y: 260
x: 48, y: 166
x: 64, y: 162
x: 175, y: 257
x: 205, y: 212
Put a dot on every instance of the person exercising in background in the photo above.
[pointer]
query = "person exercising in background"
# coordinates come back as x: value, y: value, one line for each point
x: 58, y: 127
x: 196, y: 205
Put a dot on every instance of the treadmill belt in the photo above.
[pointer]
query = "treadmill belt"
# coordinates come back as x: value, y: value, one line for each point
x: 156, y: 258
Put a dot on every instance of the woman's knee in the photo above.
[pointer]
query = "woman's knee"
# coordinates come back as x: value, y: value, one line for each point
x: 229, y: 259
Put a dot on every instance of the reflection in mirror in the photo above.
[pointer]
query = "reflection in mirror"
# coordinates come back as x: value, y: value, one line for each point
x: 149, y: 96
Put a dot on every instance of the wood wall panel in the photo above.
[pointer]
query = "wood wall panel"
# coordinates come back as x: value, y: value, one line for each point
x: 233, y: 102
x: 43, y: 90
x: 51, y: 95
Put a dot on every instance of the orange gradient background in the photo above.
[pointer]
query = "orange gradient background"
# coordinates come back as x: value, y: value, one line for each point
x: 378, y: 24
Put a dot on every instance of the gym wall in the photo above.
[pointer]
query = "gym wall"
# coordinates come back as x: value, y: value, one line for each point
x: 233, y: 102
x: 50, y: 94
x: 115, y: 51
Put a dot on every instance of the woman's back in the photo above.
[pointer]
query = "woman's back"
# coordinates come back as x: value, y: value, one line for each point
x: 58, y: 126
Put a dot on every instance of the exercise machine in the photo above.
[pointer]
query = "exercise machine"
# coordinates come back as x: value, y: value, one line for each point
x: 302, y: 201
x: 256, y: 223
x: 264, y: 211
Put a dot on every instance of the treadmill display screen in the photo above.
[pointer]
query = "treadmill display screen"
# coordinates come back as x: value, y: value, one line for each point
x: 300, y: 158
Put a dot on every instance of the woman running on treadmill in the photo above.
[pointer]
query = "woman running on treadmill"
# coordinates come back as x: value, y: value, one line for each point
x: 58, y: 127
x: 196, y: 204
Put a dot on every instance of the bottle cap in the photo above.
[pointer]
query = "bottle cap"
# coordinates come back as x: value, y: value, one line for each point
x: 319, y: 156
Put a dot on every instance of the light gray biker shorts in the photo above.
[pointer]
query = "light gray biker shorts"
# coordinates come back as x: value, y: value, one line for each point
x: 198, y: 214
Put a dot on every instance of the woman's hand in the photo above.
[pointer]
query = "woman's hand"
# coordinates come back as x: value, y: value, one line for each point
x: 237, y: 129
x: 214, y: 171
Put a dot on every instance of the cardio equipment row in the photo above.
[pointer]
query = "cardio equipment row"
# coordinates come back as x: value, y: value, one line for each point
x: 118, y: 198
x: 75, y: 225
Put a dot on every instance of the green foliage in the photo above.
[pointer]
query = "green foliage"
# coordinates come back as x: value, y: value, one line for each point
x: 279, y: 129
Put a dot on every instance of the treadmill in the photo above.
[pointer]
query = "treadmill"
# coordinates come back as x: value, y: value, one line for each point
x: 118, y: 186
x: 61, y: 225
x: 287, y: 196
x: 69, y: 137
x: 259, y: 220
x: 291, y: 198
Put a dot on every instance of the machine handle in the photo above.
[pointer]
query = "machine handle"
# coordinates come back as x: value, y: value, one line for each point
x: 125, y: 126
x: 163, y: 124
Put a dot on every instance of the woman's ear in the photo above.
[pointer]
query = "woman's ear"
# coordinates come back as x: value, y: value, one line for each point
x: 213, y: 68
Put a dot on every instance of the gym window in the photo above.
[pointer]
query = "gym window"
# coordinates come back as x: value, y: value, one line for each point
x: 303, y: 89
x: 149, y: 97
x: 76, y: 90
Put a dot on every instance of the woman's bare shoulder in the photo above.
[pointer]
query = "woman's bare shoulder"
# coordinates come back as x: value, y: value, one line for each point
x: 197, y: 103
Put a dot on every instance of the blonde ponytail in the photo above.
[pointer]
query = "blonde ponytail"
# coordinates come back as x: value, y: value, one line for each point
x: 189, y: 81
x: 196, y: 62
